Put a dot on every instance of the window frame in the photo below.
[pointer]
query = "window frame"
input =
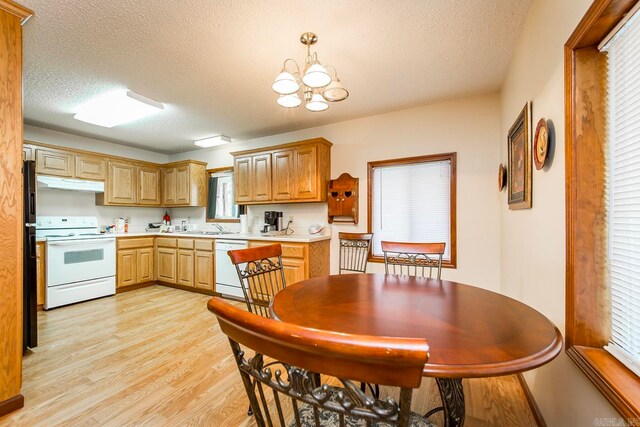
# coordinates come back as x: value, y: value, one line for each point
x: 587, y: 292
x: 451, y: 157
x: 240, y: 207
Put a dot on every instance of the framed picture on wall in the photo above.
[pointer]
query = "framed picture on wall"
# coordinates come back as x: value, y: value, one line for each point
x: 519, y: 167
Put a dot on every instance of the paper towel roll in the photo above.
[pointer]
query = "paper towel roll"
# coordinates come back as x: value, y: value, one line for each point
x: 244, y: 224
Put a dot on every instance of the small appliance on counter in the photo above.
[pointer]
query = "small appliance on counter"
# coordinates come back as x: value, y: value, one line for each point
x: 272, y: 221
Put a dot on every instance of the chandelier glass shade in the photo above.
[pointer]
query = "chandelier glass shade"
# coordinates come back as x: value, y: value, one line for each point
x: 317, y: 84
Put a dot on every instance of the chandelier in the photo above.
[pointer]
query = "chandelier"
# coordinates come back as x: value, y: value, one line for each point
x: 317, y: 86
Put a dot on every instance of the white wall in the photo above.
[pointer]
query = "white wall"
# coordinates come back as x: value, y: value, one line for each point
x: 533, y: 241
x: 468, y: 126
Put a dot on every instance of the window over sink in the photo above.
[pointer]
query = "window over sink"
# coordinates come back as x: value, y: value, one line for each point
x: 220, y: 199
x: 413, y: 200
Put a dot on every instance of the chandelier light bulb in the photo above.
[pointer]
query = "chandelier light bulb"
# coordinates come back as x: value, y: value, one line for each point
x: 291, y: 100
x: 285, y: 83
x: 335, y: 92
x: 317, y: 103
x: 316, y: 76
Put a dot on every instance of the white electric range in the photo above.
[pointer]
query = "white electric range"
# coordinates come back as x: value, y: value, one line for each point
x: 80, y: 262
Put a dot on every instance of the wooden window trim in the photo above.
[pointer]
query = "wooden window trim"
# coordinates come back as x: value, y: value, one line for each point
x: 587, y: 294
x: 209, y: 172
x: 452, y: 263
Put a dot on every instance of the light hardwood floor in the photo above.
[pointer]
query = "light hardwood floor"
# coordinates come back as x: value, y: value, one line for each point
x: 155, y: 356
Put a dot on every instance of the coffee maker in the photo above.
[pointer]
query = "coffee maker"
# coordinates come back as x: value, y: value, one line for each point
x: 272, y: 221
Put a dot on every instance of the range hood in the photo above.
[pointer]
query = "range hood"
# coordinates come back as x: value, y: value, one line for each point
x: 70, y: 184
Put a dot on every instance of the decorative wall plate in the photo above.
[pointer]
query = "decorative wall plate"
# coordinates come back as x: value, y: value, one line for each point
x: 541, y: 144
x: 502, y: 177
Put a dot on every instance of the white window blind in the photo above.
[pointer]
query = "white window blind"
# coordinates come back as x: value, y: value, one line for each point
x: 412, y: 203
x: 623, y: 188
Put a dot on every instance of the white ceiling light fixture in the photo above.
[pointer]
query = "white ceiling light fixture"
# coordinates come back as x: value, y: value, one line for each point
x: 213, y: 141
x: 316, y: 84
x: 117, y: 107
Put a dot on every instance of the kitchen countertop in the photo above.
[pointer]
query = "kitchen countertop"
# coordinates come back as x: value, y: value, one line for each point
x: 296, y: 238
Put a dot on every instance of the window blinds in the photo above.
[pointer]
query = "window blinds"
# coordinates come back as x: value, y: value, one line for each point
x: 412, y: 203
x: 623, y: 188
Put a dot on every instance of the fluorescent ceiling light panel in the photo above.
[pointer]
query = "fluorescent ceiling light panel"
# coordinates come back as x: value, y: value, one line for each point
x: 117, y: 107
x: 213, y: 141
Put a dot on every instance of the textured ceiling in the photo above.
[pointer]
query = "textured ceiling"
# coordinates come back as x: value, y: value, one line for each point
x: 212, y: 62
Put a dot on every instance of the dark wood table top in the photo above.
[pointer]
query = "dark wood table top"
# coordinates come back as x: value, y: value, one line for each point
x: 472, y: 332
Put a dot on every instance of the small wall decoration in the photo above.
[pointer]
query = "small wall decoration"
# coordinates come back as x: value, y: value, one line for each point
x: 519, y: 166
x: 541, y: 144
x: 343, y: 199
x: 502, y: 177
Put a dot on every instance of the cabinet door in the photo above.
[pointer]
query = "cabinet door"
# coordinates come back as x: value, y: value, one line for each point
x: 183, y: 187
x: 242, y: 179
x: 169, y: 189
x: 148, y: 185
x: 58, y: 163
x: 40, y: 273
x: 294, y: 270
x: 283, y: 175
x: 121, y: 183
x: 144, y: 265
x: 204, y: 266
x: 306, y: 173
x: 166, y: 261
x: 185, y: 267
x: 261, y: 177
x: 126, y: 271
x: 88, y: 167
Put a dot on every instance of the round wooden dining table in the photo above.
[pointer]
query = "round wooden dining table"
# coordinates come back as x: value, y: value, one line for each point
x: 472, y: 332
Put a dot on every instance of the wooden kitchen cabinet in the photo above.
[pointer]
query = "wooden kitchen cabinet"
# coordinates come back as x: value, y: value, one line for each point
x: 185, y: 267
x: 204, y: 265
x: 149, y: 186
x: 301, y: 261
x: 166, y: 260
x: 89, y: 167
x: 55, y: 162
x: 28, y: 152
x: 121, y: 184
x: 135, y: 261
x: 185, y: 184
x: 289, y: 173
x: 40, y: 273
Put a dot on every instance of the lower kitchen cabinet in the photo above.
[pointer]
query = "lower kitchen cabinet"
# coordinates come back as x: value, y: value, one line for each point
x: 135, y: 261
x: 194, y: 264
x: 185, y: 267
x: 40, y: 273
x: 204, y: 277
x: 167, y: 259
x: 301, y: 261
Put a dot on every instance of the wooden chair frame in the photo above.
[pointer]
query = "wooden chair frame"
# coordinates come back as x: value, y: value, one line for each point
x: 299, y: 352
x: 405, y: 257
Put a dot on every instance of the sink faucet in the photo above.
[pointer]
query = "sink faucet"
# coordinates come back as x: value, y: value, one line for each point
x: 220, y: 228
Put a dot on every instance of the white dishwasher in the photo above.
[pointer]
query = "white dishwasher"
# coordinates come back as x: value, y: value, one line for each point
x: 227, y: 281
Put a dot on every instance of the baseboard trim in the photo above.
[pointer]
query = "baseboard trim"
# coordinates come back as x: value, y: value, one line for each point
x: 537, y: 415
x: 134, y: 287
x: 188, y: 288
x: 11, y: 404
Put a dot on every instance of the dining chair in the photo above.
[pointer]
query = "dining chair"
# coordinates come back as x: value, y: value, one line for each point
x: 413, y: 259
x: 354, y: 251
x: 261, y: 275
x: 282, y: 358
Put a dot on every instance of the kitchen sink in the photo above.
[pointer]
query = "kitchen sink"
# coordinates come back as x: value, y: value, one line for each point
x: 213, y: 233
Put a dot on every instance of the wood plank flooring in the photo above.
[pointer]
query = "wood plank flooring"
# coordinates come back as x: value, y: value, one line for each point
x: 156, y: 357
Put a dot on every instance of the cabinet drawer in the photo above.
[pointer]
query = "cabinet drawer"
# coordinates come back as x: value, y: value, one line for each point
x: 138, y: 242
x: 289, y: 250
x: 204, y: 244
x: 185, y: 243
x: 165, y: 242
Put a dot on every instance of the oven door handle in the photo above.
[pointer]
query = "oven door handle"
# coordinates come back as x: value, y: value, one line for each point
x: 79, y: 242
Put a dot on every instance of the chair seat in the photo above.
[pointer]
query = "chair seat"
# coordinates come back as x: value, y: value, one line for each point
x: 331, y: 419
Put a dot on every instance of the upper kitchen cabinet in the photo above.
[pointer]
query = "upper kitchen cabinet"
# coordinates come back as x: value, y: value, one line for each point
x: 121, y: 188
x: 55, y: 162
x: 149, y: 187
x: 185, y: 184
x: 90, y: 167
x: 289, y: 173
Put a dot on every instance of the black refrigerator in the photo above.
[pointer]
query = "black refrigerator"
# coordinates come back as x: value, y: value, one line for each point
x: 29, y: 275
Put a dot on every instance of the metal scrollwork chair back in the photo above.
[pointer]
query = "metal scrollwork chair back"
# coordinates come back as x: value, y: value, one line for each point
x: 279, y: 381
x: 354, y: 251
x: 413, y: 259
x: 261, y: 275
